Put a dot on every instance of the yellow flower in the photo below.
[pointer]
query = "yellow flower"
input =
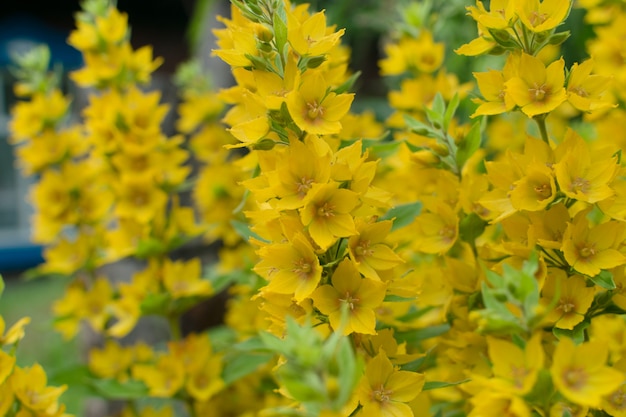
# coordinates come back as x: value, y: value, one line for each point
x: 204, y: 382
x: 164, y: 378
x: 7, y: 362
x: 327, y: 213
x: 369, y: 253
x: 544, y: 16
x: 535, y: 190
x: 15, y: 333
x: 590, y: 249
x: 501, y: 14
x: 437, y: 230
x: 489, y: 403
x: 314, y: 108
x: 6, y: 398
x: 496, y: 101
x: 31, y: 118
x: 139, y: 198
x: 290, y: 267
x: 384, y: 391
x: 537, y: 89
x: 183, y: 279
x: 586, y: 91
x: 574, y: 298
x: 584, y: 174
x: 409, y: 54
x: 111, y: 361
x: 311, y: 36
x: 297, y: 172
x: 515, y: 370
x: 30, y: 387
x: 580, y: 372
x: 359, y: 296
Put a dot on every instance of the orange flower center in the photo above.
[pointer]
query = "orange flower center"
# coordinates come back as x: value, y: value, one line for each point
x: 326, y: 210
x: 579, y: 91
x: 543, y: 191
x: 303, y: 186
x: 618, y: 399
x: 302, y: 268
x: 350, y: 300
x: 363, y: 250
x: 575, y: 378
x: 579, y: 185
x: 586, y: 251
x: 314, y: 110
x: 539, y: 92
x: 566, y: 305
x: 537, y: 18
x: 382, y: 395
x: 447, y: 233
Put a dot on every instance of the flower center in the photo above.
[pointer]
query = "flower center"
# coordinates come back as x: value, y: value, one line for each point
x: 538, y: 92
x: 447, y: 233
x: 618, y: 399
x: 537, y: 18
x: 350, y: 300
x: 382, y: 395
x: 574, y: 377
x: 314, y: 110
x: 326, y: 210
x: 363, y: 250
x: 579, y: 185
x: 567, y: 306
x: 543, y: 191
x: 586, y: 251
x: 303, y: 186
x: 302, y: 268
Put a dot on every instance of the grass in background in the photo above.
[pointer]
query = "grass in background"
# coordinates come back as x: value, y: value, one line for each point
x: 61, y: 359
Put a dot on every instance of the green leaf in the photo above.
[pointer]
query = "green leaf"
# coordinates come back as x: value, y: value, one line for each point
x: 418, y: 335
x: 115, y: 390
x: 577, y: 334
x: 243, y: 230
x: 397, y: 299
x: 348, y: 84
x: 420, y: 128
x: 381, y: 149
x: 155, y: 303
x: 242, y: 364
x: 469, y: 144
x: 1, y: 285
x: 604, y: 279
x: 403, y: 215
x: 441, y: 384
x: 280, y: 29
x: 471, y: 227
x: 449, y: 114
x: 415, y: 314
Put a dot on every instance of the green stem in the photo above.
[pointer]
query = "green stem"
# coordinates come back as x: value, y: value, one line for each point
x: 541, y: 122
x: 174, y: 323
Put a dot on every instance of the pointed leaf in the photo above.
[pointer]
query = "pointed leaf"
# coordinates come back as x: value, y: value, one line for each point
x: 403, y: 214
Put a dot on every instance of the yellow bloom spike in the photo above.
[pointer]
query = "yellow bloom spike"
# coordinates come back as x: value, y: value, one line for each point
x: 359, y: 296
x: 15, y: 332
x: 537, y: 89
x: 580, y: 372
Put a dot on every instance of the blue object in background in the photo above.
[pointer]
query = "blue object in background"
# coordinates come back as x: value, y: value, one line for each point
x: 19, y: 33
x: 18, y: 258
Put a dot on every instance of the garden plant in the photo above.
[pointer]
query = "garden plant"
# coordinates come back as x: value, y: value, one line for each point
x: 460, y: 254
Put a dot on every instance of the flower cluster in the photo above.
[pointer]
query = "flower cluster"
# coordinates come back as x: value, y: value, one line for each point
x: 463, y: 257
